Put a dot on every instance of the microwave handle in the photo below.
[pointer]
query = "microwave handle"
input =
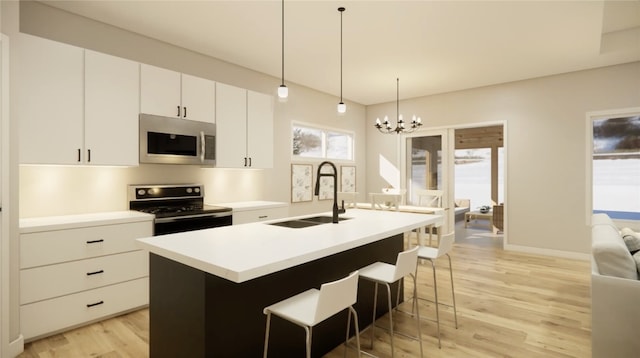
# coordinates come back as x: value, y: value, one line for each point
x: 202, y: 147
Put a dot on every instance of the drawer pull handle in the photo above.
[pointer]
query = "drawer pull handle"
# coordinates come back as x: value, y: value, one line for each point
x: 263, y: 216
x: 89, y: 305
x: 95, y: 241
x: 95, y: 272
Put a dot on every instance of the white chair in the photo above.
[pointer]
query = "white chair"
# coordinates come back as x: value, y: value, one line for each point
x: 430, y: 198
x: 349, y: 198
x: 313, y: 306
x: 384, y: 273
x: 445, y: 244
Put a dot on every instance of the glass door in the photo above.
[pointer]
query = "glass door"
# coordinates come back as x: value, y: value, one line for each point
x: 428, y: 165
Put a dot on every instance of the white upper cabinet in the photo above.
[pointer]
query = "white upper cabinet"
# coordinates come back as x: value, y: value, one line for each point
x: 244, y: 133
x: 260, y: 130
x: 172, y: 94
x: 111, y: 110
x: 198, y: 99
x: 231, y: 126
x: 49, y: 98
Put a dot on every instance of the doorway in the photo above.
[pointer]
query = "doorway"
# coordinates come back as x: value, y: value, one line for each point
x: 467, y: 164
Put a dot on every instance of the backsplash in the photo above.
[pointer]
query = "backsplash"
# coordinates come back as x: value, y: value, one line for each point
x: 61, y: 190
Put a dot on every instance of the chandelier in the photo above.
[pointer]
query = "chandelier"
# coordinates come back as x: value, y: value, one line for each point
x: 385, y: 126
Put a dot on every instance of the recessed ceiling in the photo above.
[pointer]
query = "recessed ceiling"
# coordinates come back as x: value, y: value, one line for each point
x: 432, y: 46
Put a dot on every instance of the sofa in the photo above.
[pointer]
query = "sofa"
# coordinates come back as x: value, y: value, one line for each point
x: 461, y: 206
x: 615, y: 292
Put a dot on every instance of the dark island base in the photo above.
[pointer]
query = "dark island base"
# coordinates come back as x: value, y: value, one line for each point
x: 196, y: 314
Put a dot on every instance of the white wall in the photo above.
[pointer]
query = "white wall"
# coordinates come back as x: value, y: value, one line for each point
x: 46, y: 190
x: 546, y: 129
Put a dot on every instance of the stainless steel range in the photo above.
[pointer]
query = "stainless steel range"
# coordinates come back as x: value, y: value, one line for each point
x: 177, y: 208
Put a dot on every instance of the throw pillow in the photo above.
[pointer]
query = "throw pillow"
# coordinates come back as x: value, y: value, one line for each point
x: 631, y: 239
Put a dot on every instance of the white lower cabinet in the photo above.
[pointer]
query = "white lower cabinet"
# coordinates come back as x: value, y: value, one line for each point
x: 79, y: 272
x: 250, y: 216
x: 46, y: 317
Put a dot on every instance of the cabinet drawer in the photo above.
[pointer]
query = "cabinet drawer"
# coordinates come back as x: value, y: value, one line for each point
x: 249, y: 216
x: 49, y: 316
x: 40, y: 283
x: 49, y: 247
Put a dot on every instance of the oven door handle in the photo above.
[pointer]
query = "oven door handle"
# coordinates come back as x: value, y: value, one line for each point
x: 199, y: 216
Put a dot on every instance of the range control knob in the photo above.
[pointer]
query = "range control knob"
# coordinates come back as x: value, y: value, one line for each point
x: 189, y: 190
x: 197, y: 190
x: 141, y: 192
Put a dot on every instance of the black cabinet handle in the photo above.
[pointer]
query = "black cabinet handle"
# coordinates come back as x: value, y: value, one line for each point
x: 178, y: 111
x: 185, y: 112
x: 79, y: 154
x: 245, y: 161
x: 95, y: 241
x: 89, y: 305
x: 95, y: 272
x: 263, y: 216
x: 89, y: 155
x: 249, y: 161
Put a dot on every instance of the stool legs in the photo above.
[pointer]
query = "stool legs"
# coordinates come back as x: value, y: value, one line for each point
x: 453, y: 292
x: 355, y: 320
x: 266, y: 336
x: 415, y: 306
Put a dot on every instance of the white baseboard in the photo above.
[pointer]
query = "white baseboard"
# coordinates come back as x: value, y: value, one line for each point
x: 16, y: 347
x: 549, y: 252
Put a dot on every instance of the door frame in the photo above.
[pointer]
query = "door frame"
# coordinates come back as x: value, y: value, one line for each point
x: 448, y: 168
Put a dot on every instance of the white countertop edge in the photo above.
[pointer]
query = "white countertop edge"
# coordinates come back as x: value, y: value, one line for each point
x: 48, y: 223
x: 252, y: 205
x: 249, y: 274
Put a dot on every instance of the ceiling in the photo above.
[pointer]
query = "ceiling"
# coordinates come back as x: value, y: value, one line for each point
x: 432, y: 46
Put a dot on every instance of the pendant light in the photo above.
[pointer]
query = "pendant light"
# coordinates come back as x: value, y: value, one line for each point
x: 283, y: 91
x: 342, y: 108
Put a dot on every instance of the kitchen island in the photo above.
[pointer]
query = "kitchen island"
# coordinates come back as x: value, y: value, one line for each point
x: 208, y: 287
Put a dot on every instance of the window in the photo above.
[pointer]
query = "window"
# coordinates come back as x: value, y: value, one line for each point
x: 473, y: 175
x: 616, y: 166
x: 321, y: 143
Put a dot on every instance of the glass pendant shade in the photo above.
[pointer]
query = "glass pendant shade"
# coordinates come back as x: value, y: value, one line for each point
x: 283, y: 92
x: 342, y: 108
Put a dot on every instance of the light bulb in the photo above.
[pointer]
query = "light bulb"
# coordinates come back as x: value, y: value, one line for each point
x: 378, y: 121
x: 283, y: 92
x: 342, y: 108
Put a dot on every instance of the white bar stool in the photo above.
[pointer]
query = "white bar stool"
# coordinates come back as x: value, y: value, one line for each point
x: 384, y: 273
x: 445, y: 244
x: 313, y: 306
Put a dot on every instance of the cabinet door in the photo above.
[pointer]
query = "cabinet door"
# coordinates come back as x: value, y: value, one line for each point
x: 159, y: 91
x: 260, y: 130
x: 49, y: 82
x: 111, y: 110
x: 231, y: 126
x: 198, y: 99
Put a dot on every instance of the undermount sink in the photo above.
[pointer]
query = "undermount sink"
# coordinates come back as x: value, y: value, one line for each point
x: 306, y: 222
x: 323, y: 219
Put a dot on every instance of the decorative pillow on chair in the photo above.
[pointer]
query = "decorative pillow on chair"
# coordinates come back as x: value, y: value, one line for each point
x: 631, y: 239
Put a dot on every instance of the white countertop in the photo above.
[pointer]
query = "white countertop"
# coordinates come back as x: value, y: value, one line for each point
x: 243, y: 252
x: 48, y: 223
x: 252, y: 205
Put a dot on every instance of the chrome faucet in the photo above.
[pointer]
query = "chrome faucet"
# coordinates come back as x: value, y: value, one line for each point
x: 336, y: 211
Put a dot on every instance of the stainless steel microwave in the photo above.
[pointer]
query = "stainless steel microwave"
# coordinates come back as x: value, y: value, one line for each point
x: 167, y: 140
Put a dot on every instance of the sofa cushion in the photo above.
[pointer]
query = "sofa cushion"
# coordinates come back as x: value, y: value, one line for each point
x: 602, y: 219
x: 611, y: 254
x: 631, y: 239
x: 636, y: 257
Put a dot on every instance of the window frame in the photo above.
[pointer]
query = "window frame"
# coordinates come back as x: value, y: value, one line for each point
x: 325, y: 130
x: 590, y: 118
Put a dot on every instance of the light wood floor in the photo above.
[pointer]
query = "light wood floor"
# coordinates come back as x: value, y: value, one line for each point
x: 509, y: 305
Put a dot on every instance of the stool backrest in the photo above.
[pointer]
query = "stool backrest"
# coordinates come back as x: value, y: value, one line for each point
x: 431, y: 198
x: 445, y: 243
x: 336, y: 296
x: 406, y: 263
